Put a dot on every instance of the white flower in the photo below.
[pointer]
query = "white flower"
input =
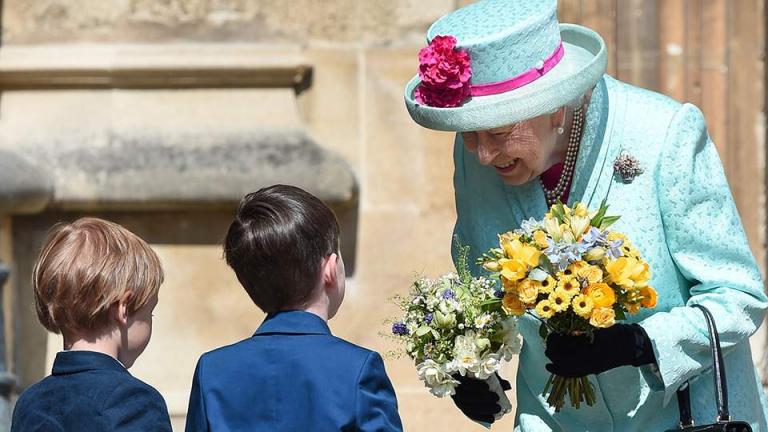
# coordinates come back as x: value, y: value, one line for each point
x: 487, y: 366
x: 436, y: 379
x: 483, y: 320
x: 447, y: 307
x: 511, y: 339
x: 465, y: 353
x: 411, y: 326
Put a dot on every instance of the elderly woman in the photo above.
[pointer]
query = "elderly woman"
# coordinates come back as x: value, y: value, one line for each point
x: 538, y: 120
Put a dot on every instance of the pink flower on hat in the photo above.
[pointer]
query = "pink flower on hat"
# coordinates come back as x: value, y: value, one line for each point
x: 444, y: 72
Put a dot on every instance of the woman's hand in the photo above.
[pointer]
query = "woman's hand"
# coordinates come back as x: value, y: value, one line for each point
x: 476, y: 400
x: 618, y: 345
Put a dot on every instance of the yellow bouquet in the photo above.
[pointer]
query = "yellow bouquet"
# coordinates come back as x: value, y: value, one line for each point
x: 573, y: 274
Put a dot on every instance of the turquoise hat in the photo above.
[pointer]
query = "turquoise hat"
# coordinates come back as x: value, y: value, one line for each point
x: 499, y: 62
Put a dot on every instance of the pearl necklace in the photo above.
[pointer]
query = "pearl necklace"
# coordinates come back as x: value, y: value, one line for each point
x: 552, y: 195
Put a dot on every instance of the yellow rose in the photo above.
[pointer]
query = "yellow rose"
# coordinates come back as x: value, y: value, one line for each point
x: 649, y: 297
x: 576, y: 268
x: 601, y: 294
x: 569, y: 285
x: 548, y: 285
x: 512, y: 304
x: 592, y: 274
x: 602, y: 317
x: 627, y: 272
x: 594, y: 254
x: 513, y: 270
x: 583, y: 305
x: 528, y: 291
x: 559, y: 301
x: 544, y: 309
x: 540, y: 237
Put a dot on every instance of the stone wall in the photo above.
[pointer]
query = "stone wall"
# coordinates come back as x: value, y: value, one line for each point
x: 362, y: 53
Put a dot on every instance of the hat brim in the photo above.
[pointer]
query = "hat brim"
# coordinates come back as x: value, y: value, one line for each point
x: 582, y: 65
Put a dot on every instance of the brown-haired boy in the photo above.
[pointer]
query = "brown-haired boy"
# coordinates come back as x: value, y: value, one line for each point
x: 97, y: 284
x: 292, y: 374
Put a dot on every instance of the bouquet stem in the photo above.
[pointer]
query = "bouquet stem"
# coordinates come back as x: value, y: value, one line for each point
x: 559, y: 388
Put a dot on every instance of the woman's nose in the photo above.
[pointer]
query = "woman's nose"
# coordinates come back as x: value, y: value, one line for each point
x: 487, y: 149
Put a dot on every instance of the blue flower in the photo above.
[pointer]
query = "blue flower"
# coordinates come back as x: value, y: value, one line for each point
x: 498, y: 294
x: 428, y: 318
x: 448, y: 294
x: 614, y: 249
x: 529, y: 225
x: 400, y: 329
x: 562, y: 254
x: 593, y: 236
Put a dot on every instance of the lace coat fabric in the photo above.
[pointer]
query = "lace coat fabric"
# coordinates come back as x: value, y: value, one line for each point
x: 681, y: 216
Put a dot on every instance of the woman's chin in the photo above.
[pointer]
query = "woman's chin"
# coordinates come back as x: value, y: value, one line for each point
x: 515, y: 179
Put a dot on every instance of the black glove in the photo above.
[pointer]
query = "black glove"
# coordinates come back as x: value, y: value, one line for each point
x: 618, y: 345
x: 476, y: 400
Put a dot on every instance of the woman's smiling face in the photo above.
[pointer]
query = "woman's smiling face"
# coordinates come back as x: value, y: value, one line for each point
x: 519, y: 152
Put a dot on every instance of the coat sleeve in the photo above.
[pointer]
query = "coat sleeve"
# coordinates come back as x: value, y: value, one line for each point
x: 197, y: 418
x: 707, y: 243
x: 376, y: 404
x: 136, y: 407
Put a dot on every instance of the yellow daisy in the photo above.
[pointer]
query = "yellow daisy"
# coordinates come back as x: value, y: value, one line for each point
x: 559, y: 301
x: 548, y: 285
x: 544, y: 309
x: 583, y: 305
x: 569, y: 285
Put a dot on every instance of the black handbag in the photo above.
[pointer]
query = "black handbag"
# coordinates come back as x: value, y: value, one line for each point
x: 723, y: 422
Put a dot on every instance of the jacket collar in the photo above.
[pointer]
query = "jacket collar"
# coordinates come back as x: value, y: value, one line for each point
x: 293, y: 322
x: 69, y: 362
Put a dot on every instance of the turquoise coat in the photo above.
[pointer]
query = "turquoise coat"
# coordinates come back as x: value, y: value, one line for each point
x: 681, y: 216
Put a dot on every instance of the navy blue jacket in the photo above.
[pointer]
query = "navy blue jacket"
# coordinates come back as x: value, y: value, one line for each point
x: 292, y: 375
x: 90, y: 391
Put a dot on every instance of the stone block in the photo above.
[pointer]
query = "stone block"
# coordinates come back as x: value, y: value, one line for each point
x: 155, y: 149
x: 331, y: 107
x: 349, y: 21
x: 24, y: 186
x: 409, y: 166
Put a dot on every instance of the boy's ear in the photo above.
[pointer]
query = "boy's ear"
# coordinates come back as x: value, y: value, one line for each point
x: 330, y: 276
x: 119, y: 309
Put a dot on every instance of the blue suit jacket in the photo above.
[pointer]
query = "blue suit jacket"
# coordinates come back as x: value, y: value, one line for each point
x: 90, y: 391
x: 292, y: 375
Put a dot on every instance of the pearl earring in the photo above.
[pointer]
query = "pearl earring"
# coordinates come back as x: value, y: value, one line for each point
x: 560, y: 129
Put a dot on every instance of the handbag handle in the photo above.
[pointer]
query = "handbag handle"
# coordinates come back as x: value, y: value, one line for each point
x: 721, y: 386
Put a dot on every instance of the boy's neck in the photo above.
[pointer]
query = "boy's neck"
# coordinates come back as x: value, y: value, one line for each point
x: 102, y: 342
x: 319, y: 310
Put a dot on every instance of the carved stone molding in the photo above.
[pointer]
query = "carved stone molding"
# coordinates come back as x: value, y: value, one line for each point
x: 152, y: 67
